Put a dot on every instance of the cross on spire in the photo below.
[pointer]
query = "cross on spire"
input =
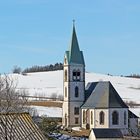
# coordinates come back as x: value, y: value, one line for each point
x: 73, y: 22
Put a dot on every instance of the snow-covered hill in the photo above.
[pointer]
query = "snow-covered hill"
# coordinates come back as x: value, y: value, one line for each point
x: 47, y: 83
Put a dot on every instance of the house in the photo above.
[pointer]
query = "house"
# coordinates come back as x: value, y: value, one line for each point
x: 97, y: 106
x: 19, y: 126
x: 105, y: 134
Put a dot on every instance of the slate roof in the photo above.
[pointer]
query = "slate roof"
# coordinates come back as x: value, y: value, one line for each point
x: 107, y: 133
x: 132, y: 115
x: 74, y: 55
x: 19, y: 127
x: 89, y: 89
x: 103, y: 95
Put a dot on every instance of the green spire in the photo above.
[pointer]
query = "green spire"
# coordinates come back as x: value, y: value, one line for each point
x: 75, y: 56
x: 74, y: 46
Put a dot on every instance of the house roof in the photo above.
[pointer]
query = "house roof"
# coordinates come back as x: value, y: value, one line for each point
x: 107, y: 133
x: 74, y: 55
x: 19, y: 126
x: 132, y: 115
x: 103, y: 95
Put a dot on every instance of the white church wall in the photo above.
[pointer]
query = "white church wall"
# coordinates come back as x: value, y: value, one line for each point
x: 64, y: 112
x: 92, y: 135
x: 97, y: 118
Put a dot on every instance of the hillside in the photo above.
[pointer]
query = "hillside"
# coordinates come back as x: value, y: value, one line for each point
x: 46, y: 83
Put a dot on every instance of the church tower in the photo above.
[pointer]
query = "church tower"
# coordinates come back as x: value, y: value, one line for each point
x: 74, y: 83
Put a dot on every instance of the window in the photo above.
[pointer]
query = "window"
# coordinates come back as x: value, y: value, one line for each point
x: 101, y: 116
x: 65, y: 119
x: 125, y: 118
x: 65, y: 61
x: 84, y: 117
x: 76, y: 91
x: 65, y: 75
x: 76, y: 120
x: 115, y: 118
x: 76, y: 111
x: 66, y: 92
x: 91, y: 117
x: 76, y: 75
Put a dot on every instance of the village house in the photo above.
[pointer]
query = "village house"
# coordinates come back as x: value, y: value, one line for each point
x: 19, y: 126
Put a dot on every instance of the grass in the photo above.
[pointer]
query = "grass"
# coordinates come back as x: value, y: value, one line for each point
x: 46, y: 103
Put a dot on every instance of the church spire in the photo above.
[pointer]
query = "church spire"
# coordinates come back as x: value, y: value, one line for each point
x: 75, y: 55
x: 74, y: 46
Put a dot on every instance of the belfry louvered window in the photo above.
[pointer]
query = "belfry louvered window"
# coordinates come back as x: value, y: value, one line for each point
x: 76, y: 75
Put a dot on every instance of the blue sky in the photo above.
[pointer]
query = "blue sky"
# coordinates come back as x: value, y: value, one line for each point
x: 37, y: 32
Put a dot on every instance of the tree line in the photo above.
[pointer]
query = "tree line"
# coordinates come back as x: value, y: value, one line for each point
x: 134, y: 76
x: 51, y: 67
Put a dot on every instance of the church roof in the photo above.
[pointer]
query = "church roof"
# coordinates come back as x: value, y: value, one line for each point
x: 74, y: 55
x: 107, y: 133
x: 103, y: 95
x: 89, y: 88
x: 132, y: 115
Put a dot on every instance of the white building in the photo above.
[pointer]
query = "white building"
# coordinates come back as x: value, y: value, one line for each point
x: 96, y: 106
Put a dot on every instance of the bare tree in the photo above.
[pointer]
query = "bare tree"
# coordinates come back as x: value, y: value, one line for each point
x: 17, y: 70
x: 11, y: 102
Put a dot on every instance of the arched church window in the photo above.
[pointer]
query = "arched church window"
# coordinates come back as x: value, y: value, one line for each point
x: 76, y: 91
x: 65, y: 119
x: 76, y: 111
x: 101, y: 117
x: 65, y: 60
x: 91, y: 115
x: 125, y: 118
x: 115, y: 118
x: 65, y: 91
x: 84, y: 116
x: 66, y: 75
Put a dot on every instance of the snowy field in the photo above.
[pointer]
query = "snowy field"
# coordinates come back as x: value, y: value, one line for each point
x: 48, y: 111
x: 46, y: 83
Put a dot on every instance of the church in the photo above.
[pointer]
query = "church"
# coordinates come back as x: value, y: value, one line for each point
x: 95, y: 106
